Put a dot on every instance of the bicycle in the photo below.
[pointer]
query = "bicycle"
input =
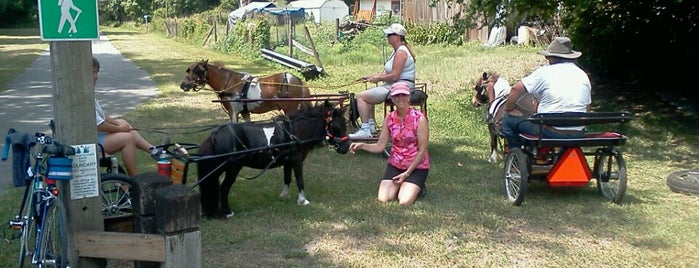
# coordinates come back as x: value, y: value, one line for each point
x: 41, y: 221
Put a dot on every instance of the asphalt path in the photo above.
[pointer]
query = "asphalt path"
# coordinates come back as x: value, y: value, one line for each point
x: 27, y: 105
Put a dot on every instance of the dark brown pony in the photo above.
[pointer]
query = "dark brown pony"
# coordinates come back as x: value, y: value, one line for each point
x: 231, y: 86
x: 492, y: 90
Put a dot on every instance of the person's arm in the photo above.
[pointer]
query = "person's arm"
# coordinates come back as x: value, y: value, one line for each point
x: 423, y: 138
x: 375, y: 148
x: 516, y: 92
x: 112, y: 125
x: 399, y: 60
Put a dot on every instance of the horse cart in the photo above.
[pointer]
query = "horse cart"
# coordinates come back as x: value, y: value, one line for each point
x: 564, y: 162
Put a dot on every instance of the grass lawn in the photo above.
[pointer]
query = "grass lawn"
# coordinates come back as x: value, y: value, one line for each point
x: 464, y: 221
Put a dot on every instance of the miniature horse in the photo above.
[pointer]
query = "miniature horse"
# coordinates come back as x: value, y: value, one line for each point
x: 233, y: 87
x: 286, y: 141
x: 492, y: 89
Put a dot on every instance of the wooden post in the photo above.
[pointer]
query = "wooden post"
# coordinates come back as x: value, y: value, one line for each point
x: 337, y: 30
x: 313, y: 47
x: 143, y: 203
x: 74, y: 115
x: 178, y: 217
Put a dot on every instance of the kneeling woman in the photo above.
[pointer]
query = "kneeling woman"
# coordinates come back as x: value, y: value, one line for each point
x: 409, y: 161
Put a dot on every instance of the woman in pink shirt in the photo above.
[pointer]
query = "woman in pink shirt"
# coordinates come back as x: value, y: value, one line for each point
x: 409, y: 162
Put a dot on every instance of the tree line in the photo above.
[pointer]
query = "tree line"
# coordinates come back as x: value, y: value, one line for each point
x: 630, y: 41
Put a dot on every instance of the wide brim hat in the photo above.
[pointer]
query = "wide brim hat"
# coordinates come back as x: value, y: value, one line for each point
x: 399, y: 88
x: 561, y: 47
x: 395, y: 29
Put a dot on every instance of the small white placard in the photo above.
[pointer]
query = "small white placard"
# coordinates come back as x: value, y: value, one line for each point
x: 85, y: 182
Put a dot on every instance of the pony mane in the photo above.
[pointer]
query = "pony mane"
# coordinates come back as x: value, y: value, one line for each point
x: 217, y: 64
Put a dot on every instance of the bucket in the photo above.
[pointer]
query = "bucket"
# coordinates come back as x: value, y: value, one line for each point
x: 60, y: 168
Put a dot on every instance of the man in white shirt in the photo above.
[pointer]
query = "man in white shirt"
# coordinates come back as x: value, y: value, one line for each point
x: 561, y: 87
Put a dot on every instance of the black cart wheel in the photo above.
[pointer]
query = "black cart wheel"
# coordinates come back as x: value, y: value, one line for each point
x: 516, y: 175
x: 116, y: 195
x: 684, y: 181
x: 610, y: 170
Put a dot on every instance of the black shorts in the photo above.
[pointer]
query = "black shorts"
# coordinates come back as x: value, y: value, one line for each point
x: 418, y: 177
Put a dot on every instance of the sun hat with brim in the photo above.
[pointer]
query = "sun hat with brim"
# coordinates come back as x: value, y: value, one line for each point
x: 399, y: 88
x: 561, y: 47
x: 395, y: 29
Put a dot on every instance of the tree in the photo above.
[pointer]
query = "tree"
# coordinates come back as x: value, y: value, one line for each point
x: 626, y: 40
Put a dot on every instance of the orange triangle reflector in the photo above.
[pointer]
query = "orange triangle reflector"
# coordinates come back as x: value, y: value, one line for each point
x: 571, y: 170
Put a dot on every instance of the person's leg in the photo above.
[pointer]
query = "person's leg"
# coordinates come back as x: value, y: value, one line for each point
x: 366, y: 100
x: 408, y: 193
x: 122, y: 142
x: 388, y: 191
x: 510, y: 129
x: 410, y: 188
x: 141, y: 143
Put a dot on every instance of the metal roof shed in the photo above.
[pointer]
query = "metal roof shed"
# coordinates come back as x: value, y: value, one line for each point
x: 323, y: 10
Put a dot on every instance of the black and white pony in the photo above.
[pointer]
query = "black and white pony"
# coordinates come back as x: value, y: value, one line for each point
x: 491, y: 89
x: 285, y: 141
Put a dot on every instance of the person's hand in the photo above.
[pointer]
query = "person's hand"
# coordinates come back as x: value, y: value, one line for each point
x: 400, y: 178
x: 373, y: 79
x: 354, y: 146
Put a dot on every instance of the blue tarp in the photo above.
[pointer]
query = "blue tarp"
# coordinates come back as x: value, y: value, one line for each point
x: 280, y: 11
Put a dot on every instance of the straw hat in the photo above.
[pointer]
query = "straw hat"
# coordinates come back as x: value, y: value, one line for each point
x: 561, y: 47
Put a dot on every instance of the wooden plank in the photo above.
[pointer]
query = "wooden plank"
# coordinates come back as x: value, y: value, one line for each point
x: 124, y: 246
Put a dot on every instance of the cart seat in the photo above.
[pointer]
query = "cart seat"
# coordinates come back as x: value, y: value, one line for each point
x: 418, y: 97
x: 607, y: 138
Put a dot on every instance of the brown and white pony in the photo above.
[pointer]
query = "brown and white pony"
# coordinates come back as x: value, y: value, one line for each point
x: 233, y: 88
x: 492, y: 90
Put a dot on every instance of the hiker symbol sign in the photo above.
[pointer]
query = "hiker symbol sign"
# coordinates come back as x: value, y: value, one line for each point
x: 68, y: 20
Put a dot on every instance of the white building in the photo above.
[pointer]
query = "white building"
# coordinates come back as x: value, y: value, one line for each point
x: 323, y: 10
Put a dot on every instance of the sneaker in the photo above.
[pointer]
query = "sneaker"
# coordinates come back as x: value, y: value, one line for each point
x: 360, y: 134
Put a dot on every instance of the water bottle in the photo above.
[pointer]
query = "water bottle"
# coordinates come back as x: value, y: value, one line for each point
x: 164, y: 164
x: 115, y: 164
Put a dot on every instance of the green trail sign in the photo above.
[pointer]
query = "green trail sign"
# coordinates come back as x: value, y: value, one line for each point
x: 68, y: 20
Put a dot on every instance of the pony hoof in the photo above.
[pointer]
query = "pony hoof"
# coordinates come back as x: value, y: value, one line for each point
x: 230, y: 215
x: 303, y: 202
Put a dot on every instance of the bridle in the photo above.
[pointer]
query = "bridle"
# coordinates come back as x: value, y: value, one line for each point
x: 329, y: 137
x: 201, y: 72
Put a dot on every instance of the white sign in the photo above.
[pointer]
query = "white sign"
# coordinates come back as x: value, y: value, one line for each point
x: 85, y: 182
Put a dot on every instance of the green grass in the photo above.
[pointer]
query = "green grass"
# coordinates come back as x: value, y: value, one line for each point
x: 465, y: 220
x: 18, y: 49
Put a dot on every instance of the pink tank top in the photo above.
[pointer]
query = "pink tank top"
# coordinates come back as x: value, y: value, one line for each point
x: 404, y: 136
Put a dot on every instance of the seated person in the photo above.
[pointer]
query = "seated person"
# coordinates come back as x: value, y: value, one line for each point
x: 562, y: 86
x: 399, y: 67
x: 117, y: 135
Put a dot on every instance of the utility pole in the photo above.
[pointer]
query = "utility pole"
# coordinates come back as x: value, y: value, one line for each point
x: 74, y: 116
x: 70, y: 27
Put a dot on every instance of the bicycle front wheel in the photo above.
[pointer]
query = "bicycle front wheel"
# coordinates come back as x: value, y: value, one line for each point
x: 54, y: 236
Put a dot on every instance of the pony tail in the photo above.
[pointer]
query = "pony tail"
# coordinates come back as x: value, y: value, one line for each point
x: 410, y: 50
